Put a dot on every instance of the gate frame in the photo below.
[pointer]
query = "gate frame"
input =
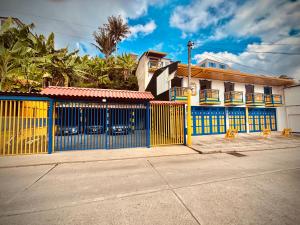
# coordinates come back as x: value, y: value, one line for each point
x: 49, y: 116
x: 106, y: 104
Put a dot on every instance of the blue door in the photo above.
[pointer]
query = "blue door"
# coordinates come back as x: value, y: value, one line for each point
x: 208, y: 120
x: 262, y: 118
x: 237, y: 118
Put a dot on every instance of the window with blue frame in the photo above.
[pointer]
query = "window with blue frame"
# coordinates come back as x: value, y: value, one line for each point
x: 222, y: 66
x: 211, y: 64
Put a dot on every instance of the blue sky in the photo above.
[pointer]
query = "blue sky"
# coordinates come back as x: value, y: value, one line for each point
x: 234, y: 32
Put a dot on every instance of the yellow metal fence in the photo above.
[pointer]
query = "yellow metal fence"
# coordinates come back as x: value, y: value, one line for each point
x: 23, y: 127
x: 167, y: 124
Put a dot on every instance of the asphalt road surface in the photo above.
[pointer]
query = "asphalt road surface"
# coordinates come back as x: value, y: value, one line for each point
x: 258, y: 188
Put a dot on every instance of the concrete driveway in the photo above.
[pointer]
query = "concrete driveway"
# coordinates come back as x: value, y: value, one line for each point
x: 258, y: 188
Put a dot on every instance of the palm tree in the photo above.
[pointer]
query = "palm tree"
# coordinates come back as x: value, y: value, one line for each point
x: 105, y: 43
x: 108, y: 37
x: 118, y: 30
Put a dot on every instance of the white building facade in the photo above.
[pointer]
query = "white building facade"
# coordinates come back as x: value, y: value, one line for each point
x: 222, y: 98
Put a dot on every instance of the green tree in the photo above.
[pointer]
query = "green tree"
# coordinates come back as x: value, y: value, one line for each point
x: 127, y: 64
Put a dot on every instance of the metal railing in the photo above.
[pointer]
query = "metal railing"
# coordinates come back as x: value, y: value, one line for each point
x: 179, y: 91
x: 209, y: 95
x: 273, y: 99
x: 255, y: 98
x: 234, y: 97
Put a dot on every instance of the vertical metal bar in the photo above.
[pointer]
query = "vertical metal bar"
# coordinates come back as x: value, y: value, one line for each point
x: 79, y: 143
x: 155, y: 119
x: 27, y: 124
x: 61, y: 109
x: 81, y: 125
x: 107, y: 126
x: 124, y: 123
x: 72, y: 124
x: 1, y: 133
x: 64, y: 119
x: 94, y: 125
x: 103, y: 121
x: 50, y: 126
x: 40, y: 128
x: 22, y: 127
x: 84, y: 121
x: 69, y: 140
x: 41, y: 123
x: 97, y: 126
x: 4, y: 128
x: 148, y: 125
x: 14, y: 129
x: 9, y: 128
x: 34, y: 112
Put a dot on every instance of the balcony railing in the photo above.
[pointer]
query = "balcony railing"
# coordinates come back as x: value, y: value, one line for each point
x: 178, y: 94
x: 273, y: 100
x: 255, y: 99
x: 234, y: 98
x: 209, y: 97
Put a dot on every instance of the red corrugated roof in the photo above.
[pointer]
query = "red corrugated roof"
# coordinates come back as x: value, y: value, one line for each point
x: 95, y: 93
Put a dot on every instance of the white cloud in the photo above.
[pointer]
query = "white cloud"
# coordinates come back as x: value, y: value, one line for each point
x: 142, y: 30
x: 270, y: 20
x: 268, y: 64
x: 201, y: 14
x: 158, y: 47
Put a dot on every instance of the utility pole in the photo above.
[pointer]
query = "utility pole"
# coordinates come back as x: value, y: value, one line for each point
x: 189, y: 106
x: 190, y: 46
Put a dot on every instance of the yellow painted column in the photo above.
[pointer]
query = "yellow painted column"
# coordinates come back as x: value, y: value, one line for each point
x: 189, y: 119
x: 247, y: 120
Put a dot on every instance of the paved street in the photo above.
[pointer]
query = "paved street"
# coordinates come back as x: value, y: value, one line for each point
x: 262, y: 187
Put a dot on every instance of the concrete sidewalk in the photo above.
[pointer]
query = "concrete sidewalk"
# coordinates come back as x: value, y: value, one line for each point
x: 92, y: 155
x: 243, y: 142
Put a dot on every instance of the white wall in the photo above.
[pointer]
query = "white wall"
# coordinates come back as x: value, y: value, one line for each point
x: 292, y: 107
x: 142, y: 73
x: 162, y: 82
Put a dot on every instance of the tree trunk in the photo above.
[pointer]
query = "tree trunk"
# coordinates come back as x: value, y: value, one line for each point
x: 66, y: 80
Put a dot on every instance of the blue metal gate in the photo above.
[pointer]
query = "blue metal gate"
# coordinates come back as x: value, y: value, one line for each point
x: 237, y: 118
x: 208, y: 120
x: 262, y: 118
x: 91, y: 125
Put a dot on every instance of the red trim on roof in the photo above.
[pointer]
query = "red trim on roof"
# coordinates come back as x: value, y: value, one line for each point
x: 95, y: 93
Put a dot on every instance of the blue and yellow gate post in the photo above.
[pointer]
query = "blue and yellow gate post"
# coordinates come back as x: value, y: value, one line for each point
x: 189, y: 107
x: 189, y: 118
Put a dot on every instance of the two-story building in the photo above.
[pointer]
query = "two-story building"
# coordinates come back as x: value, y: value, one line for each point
x: 222, y: 98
